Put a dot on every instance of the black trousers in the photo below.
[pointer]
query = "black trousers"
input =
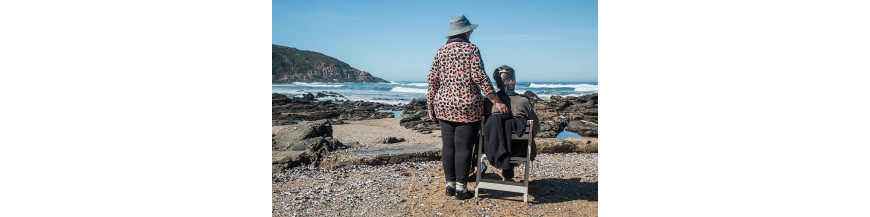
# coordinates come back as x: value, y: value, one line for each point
x: 457, y: 140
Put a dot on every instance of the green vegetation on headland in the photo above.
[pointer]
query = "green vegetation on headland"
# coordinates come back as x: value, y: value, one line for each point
x: 294, y: 65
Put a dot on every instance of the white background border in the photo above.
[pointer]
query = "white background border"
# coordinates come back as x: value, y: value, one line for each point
x: 728, y: 108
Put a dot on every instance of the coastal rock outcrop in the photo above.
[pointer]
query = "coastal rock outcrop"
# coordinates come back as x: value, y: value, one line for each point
x: 570, y: 145
x: 306, y: 108
x: 303, y: 144
x: 294, y: 65
x: 415, y: 117
x: 574, y: 114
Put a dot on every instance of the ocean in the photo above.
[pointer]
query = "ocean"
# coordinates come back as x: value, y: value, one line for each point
x: 402, y: 92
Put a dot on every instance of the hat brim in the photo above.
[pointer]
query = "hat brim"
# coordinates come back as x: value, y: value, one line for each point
x: 463, y: 30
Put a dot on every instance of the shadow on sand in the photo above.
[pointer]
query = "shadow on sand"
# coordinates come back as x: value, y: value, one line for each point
x: 547, y: 190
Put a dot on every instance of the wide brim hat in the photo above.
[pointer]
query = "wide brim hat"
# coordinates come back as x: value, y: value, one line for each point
x: 459, y: 25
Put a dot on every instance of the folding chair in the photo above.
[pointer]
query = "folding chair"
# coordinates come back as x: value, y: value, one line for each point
x: 504, y: 185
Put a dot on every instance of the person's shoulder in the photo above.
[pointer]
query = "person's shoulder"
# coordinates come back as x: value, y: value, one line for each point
x: 522, y: 98
x: 466, y: 45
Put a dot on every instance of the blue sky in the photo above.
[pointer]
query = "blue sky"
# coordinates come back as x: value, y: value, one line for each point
x: 396, y: 40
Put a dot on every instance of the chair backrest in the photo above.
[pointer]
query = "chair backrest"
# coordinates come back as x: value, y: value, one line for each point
x: 526, y: 136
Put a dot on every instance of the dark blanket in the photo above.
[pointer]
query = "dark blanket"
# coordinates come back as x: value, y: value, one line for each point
x: 497, y: 142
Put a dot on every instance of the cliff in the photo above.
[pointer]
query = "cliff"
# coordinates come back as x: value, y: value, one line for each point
x: 294, y: 65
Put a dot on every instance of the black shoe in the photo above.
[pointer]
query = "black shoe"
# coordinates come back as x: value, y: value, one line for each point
x: 450, y: 191
x: 464, y: 194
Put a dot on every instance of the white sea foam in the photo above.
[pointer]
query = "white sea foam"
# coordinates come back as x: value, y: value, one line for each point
x: 408, y: 90
x: 317, y: 84
x: 577, y: 87
x: 417, y: 84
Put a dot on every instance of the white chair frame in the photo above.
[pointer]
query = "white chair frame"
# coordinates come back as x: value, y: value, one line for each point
x: 500, y: 185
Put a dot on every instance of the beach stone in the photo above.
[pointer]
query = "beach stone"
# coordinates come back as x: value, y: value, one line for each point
x: 552, y: 145
x: 316, y: 145
x: 570, y: 145
x: 384, y: 156
x: 304, y: 130
x: 282, y: 160
x: 585, y: 144
x: 416, y: 117
x: 303, y: 144
x: 583, y: 127
x: 390, y: 140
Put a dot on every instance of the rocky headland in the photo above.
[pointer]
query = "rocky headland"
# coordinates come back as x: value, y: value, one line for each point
x: 294, y: 65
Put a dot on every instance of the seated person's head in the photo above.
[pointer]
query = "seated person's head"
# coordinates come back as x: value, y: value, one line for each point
x: 504, y: 77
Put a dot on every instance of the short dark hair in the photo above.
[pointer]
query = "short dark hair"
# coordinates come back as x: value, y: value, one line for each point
x: 509, y: 75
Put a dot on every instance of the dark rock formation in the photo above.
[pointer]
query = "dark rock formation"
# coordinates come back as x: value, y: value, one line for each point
x: 399, y: 158
x: 324, y: 94
x: 292, y: 65
x: 415, y: 117
x: 390, y: 140
x: 531, y: 95
x: 307, y: 108
x: 574, y: 114
x: 578, y: 114
x: 583, y: 127
x: 302, y: 144
x: 384, y: 155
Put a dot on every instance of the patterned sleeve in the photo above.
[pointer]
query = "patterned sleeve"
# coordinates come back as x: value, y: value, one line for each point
x: 434, y: 84
x: 479, y: 74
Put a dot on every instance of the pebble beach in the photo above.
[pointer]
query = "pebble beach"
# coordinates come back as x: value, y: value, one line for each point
x: 563, y: 184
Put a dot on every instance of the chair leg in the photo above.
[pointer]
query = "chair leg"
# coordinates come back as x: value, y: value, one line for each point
x: 479, y: 170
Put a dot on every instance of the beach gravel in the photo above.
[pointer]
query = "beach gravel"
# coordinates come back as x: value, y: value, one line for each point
x: 562, y: 185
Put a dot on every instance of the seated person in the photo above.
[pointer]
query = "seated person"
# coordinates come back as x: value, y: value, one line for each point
x: 520, y: 106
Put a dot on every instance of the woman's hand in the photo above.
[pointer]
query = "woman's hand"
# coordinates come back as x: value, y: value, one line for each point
x: 432, y: 117
x: 502, y: 108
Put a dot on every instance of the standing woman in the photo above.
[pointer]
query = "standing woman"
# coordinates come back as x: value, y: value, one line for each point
x: 456, y: 80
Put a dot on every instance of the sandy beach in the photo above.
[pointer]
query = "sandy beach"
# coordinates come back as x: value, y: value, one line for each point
x: 563, y: 184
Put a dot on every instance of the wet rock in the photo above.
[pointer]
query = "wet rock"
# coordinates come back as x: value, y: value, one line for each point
x: 531, y: 95
x: 390, y: 140
x: 551, y: 124
x: 331, y: 94
x: 583, y: 127
x: 308, y: 109
x: 416, y: 117
x: 578, y: 114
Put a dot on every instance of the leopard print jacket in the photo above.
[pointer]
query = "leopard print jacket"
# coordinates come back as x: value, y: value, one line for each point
x: 455, y: 81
